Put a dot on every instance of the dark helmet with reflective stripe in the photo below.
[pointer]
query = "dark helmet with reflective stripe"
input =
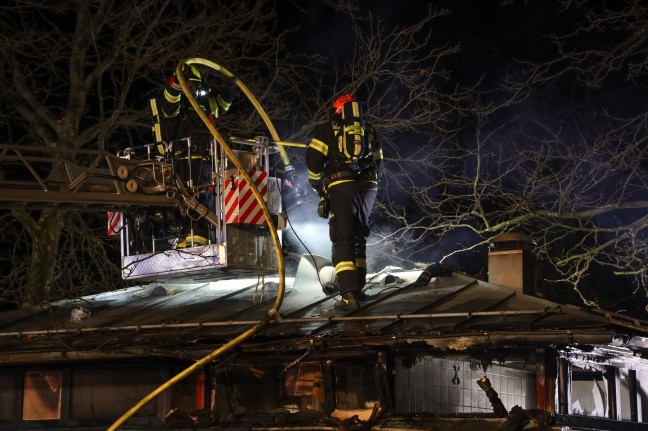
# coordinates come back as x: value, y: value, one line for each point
x: 191, y: 73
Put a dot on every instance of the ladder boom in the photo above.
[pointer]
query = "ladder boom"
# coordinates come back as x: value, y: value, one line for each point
x: 35, y: 177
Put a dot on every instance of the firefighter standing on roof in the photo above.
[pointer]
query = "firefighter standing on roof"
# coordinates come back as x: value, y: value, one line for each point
x: 344, y: 161
x: 193, y: 162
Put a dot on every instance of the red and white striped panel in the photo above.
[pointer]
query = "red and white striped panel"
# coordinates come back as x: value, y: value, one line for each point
x: 240, y: 204
x: 114, y: 223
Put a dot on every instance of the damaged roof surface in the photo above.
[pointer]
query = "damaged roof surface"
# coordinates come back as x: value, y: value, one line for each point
x: 451, y: 312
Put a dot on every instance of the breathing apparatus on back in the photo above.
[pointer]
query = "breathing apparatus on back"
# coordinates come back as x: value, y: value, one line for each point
x: 350, y: 132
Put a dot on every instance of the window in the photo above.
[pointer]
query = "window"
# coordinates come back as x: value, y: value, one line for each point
x: 254, y: 388
x: 642, y: 396
x: 251, y: 389
x: 7, y: 395
x: 304, y: 387
x: 109, y: 392
x: 189, y: 393
x: 355, y: 384
x: 96, y: 392
x: 42, y: 395
x: 589, y: 392
x: 449, y: 386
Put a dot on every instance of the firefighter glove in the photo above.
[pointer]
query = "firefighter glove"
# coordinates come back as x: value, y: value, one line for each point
x: 323, y: 207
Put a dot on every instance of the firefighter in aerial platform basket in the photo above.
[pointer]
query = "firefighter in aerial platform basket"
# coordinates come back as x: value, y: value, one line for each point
x: 192, y: 157
x: 344, y: 161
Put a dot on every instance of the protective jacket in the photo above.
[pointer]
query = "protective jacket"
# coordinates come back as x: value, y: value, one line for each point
x: 188, y: 122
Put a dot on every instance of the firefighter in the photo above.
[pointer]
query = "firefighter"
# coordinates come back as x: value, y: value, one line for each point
x: 193, y: 158
x: 344, y: 160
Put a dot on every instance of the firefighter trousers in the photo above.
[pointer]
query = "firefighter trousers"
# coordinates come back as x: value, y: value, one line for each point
x: 351, y: 204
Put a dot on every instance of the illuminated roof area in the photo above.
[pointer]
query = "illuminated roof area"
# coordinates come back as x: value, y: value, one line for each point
x: 453, y: 312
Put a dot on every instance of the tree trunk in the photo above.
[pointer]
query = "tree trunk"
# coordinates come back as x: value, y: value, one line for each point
x: 45, y: 233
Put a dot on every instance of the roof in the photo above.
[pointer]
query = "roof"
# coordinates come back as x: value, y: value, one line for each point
x: 453, y: 312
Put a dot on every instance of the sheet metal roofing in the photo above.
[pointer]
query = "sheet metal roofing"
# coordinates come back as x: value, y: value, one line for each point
x: 451, y: 312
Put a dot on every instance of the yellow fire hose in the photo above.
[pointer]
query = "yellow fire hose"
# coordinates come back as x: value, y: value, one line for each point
x: 274, y: 311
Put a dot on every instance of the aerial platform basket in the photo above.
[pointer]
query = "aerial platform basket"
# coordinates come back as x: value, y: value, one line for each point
x: 162, y: 243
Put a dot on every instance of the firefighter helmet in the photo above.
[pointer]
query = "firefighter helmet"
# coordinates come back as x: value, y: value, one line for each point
x: 191, y: 73
x: 341, y: 101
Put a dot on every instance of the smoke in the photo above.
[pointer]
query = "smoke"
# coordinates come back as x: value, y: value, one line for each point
x: 306, y: 232
x: 311, y: 237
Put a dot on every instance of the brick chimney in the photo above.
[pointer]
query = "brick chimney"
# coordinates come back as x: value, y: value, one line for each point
x: 511, y: 262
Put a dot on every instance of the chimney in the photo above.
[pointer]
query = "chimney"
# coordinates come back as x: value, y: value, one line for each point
x: 511, y: 262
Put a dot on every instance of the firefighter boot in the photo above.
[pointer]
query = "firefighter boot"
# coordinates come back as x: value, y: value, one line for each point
x: 348, y: 302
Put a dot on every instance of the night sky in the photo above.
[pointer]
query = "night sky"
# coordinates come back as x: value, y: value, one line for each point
x: 491, y: 37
